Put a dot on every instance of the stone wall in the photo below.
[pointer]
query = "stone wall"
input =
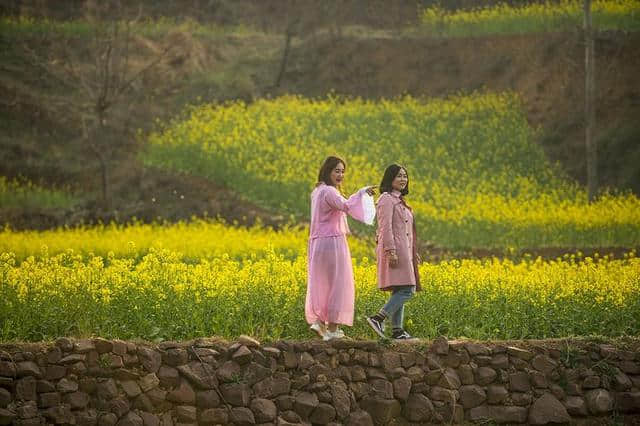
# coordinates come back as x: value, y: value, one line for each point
x: 207, y: 381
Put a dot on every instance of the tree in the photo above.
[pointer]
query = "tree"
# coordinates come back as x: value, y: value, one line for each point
x: 589, y: 107
x: 101, y: 74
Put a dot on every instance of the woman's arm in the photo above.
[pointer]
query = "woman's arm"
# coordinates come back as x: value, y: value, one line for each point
x: 353, y: 206
x: 385, y: 226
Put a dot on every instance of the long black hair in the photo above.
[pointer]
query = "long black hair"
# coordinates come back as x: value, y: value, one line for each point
x: 389, y: 175
x: 329, y: 164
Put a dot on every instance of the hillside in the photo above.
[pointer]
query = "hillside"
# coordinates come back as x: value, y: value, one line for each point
x: 351, y: 59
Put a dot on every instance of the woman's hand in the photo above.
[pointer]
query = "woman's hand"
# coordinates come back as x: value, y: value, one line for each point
x: 392, y: 258
x: 371, y: 190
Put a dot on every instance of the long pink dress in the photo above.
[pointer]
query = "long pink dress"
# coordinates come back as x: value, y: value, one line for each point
x: 330, y: 285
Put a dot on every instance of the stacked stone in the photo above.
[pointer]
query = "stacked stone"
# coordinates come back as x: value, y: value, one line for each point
x: 208, y: 381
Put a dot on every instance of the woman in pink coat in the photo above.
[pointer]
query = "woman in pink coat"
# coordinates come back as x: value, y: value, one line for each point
x: 396, y: 251
x: 330, y: 285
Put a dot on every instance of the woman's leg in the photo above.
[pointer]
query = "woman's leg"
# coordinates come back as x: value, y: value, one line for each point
x: 395, y: 306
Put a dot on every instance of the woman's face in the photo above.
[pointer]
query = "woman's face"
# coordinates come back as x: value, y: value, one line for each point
x: 400, y: 181
x: 337, y: 174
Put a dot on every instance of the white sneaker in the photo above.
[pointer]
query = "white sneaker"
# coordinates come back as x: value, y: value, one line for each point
x: 330, y: 335
x: 319, y: 328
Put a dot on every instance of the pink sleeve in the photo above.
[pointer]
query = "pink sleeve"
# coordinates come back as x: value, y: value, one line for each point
x: 385, y: 228
x: 354, y: 206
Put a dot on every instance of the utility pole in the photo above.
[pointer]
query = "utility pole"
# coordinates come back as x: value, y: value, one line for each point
x: 589, y: 107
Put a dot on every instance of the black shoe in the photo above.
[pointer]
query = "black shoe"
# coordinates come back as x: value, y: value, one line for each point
x: 402, y: 336
x: 377, y: 325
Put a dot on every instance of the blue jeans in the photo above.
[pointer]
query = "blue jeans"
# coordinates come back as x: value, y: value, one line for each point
x: 394, y: 308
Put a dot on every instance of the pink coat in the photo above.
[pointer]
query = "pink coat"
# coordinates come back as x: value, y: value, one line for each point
x: 396, y: 231
x: 330, y: 286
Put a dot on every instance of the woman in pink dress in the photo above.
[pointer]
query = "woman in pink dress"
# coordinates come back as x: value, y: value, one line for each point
x: 330, y: 285
x: 396, y: 251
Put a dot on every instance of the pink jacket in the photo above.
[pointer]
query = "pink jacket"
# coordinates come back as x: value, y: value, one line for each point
x: 396, y: 231
x: 329, y: 211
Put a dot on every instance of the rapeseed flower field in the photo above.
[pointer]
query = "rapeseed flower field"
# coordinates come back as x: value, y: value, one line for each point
x: 477, y: 176
x: 162, y: 297
x: 534, y: 17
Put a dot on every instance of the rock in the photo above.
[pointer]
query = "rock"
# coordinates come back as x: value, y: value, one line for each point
x: 496, y: 394
x: 500, y: 361
x: 143, y: 402
x: 341, y: 400
x: 599, y: 401
x: 305, y: 403
x: 437, y: 393
x: 86, y: 418
x: 175, y: 357
x: 183, y: 394
x: 102, y: 346
x: 628, y: 402
x: 151, y: 359
x: 7, y: 368
x: 417, y: 409
x: 242, y: 416
x: 519, y: 382
x: 449, y: 379
x: 547, y: 409
x: 291, y: 417
x: 407, y: 359
x: 123, y: 374
x: 322, y: 414
x: 498, y: 414
x: 201, y: 375
x: 272, y: 387
x: 28, y: 368
x: 55, y: 372
x: 26, y: 388
x: 236, y: 394
x: 402, y: 388
x: 391, y: 360
x: 544, y: 364
x: 306, y: 360
x: 359, y: 418
x: 59, y: 414
x: 5, y: 398
x: 381, y: 388
x: 243, y: 355
x: 576, y: 406
x: 107, y: 419
x: 521, y: 398
x: 72, y: 359
x: 520, y: 353
x: 130, y: 388
x: 84, y: 346
x: 475, y: 349
x: 107, y: 389
x: 157, y: 396
x: 65, y: 344
x: 290, y: 359
x: 538, y: 379
x: 186, y: 413
x: 169, y: 377
x: 207, y: 399
x: 621, y: 381
x: 149, y: 419
x: 119, y: 406
x: 130, y: 419
x: 263, y: 410
x: 248, y: 341
x: 77, y: 400
x: 149, y: 382
x: 255, y: 372
x: 472, y: 396
x: 485, y: 375
x: 6, y: 417
x: 440, y: 346
x: 214, y: 416
x: 229, y: 372
x: 465, y: 372
x: 28, y: 410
